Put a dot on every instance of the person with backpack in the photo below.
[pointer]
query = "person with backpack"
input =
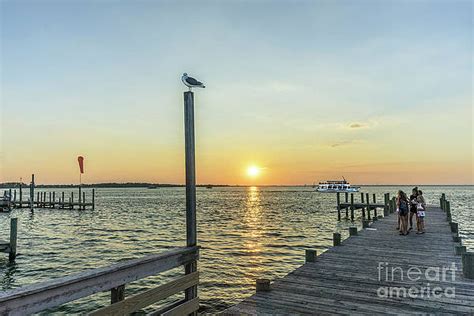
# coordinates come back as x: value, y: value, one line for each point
x: 403, y: 209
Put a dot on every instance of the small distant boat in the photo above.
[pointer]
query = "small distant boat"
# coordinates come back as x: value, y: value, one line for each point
x: 152, y: 187
x: 6, y: 203
x: 334, y: 186
x: 209, y: 186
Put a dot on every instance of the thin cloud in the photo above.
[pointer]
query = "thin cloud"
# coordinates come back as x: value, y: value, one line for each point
x: 357, y: 125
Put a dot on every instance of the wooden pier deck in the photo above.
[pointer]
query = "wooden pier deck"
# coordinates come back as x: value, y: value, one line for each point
x: 345, y: 279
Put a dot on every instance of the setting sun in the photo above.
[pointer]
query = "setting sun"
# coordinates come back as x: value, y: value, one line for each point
x: 253, y: 171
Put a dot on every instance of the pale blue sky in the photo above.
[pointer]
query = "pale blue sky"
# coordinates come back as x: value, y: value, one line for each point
x: 103, y: 77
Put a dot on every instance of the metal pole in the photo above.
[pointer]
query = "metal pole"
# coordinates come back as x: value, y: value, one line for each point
x: 191, y: 231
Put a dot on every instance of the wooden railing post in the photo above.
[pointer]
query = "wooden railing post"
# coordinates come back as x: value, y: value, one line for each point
x: 93, y: 199
x: 117, y: 294
x: 386, y: 206
x: 368, y: 205
x: 352, y: 231
x: 191, y: 229
x: 336, y: 239
x: 346, y: 198
x: 362, y: 201
x: 468, y: 265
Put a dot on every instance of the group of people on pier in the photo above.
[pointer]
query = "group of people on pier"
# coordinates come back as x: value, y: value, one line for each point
x: 407, y: 208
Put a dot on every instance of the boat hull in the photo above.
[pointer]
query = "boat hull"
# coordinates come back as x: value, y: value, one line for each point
x: 349, y: 190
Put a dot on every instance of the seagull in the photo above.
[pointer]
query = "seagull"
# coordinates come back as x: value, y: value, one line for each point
x: 191, y: 82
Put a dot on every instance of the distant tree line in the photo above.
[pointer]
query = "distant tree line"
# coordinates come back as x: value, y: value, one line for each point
x: 106, y: 185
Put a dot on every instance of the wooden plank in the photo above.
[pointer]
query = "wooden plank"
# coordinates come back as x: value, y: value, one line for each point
x: 184, y: 309
x: 141, y: 300
x: 37, y: 297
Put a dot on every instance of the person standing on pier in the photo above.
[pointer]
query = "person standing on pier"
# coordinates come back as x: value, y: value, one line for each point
x: 420, y: 214
x: 413, y: 203
x: 403, y: 210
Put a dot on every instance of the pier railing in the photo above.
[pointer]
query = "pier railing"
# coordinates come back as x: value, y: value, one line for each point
x: 37, y: 297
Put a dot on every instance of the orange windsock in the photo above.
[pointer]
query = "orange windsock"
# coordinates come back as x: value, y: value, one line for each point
x: 80, y: 159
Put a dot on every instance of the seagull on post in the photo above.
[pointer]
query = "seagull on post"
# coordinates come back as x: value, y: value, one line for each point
x: 190, y: 82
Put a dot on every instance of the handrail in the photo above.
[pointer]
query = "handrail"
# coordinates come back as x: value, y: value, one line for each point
x: 37, y: 297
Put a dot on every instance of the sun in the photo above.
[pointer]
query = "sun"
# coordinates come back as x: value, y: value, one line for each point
x: 253, y: 171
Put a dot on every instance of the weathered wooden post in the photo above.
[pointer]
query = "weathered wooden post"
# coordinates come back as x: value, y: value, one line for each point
x: 262, y: 285
x: 54, y: 199
x: 14, y: 196
x: 13, y: 238
x: 457, y: 238
x: 310, y: 255
x: 365, y: 223
x: 346, y: 197
x: 117, y: 294
x: 362, y: 202
x: 454, y: 227
x: 352, y: 231
x: 80, y: 196
x: 468, y: 265
x: 50, y: 199
x: 62, y: 199
x: 368, y: 205
x: 336, y: 239
x: 448, y: 210
x: 375, y: 208
x: 93, y: 199
x: 386, y: 206
x: 191, y: 229
x: 338, y: 202
x: 352, y: 206
x: 72, y: 200
x: 459, y: 250
x: 83, y: 200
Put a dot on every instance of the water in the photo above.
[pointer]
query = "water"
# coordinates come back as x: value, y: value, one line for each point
x: 245, y: 233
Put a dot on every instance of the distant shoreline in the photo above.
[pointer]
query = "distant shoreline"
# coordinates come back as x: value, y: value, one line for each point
x: 170, y: 185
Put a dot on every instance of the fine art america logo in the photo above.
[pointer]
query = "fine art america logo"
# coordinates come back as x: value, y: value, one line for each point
x: 423, y: 275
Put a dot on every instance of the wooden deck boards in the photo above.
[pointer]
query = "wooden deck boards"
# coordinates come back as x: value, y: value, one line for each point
x: 345, y: 279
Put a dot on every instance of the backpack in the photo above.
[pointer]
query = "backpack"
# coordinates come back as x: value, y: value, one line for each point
x: 403, y: 207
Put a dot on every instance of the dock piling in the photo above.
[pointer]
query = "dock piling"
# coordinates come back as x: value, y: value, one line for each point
x: 352, y: 206
x: 346, y: 198
x: 336, y: 239
x: 93, y: 199
x: 468, y: 265
x: 338, y: 202
x: 262, y: 285
x: 459, y: 250
x: 386, y: 206
x: 454, y: 227
x: 13, y: 238
x: 352, y: 231
x: 368, y: 205
x: 310, y: 255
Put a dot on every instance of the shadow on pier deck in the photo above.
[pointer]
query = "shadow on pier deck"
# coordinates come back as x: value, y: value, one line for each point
x: 346, y: 280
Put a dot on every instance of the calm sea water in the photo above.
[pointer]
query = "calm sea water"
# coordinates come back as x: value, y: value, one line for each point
x: 245, y: 233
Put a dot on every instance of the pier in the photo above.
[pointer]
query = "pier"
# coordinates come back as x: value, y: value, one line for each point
x: 358, y: 275
x: 50, y: 199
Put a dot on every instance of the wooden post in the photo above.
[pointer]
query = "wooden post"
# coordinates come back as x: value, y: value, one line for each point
x: 459, y: 250
x: 448, y: 210
x: 93, y: 199
x: 368, y: 205
x: 365, y: 223
x: 54, y: 199
x: 50, y: 198
x: 13, y: 238
x: 14, y: 195
x: 346, y: 194
x: 80, y: 196
x: 72, y: 200
x: 21, y: 193
x: 362, y: 202
x: 262, y: 285
x: 352, y: 231
x: 62, y: 199
x: 457, y: 238
x: 454, y: 227
x: 191, y: 229
x: 352, y: 206
x: 336, y: 239
x: 468, y: 265
x: 117, y: 294
x: 310, y: 255
x: 386, y: 206
x: 338, y: 202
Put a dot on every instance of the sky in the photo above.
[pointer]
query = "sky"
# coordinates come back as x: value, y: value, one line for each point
x: 379, y: 92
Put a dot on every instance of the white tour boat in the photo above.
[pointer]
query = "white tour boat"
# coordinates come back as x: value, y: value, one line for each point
x: 336, y: 186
